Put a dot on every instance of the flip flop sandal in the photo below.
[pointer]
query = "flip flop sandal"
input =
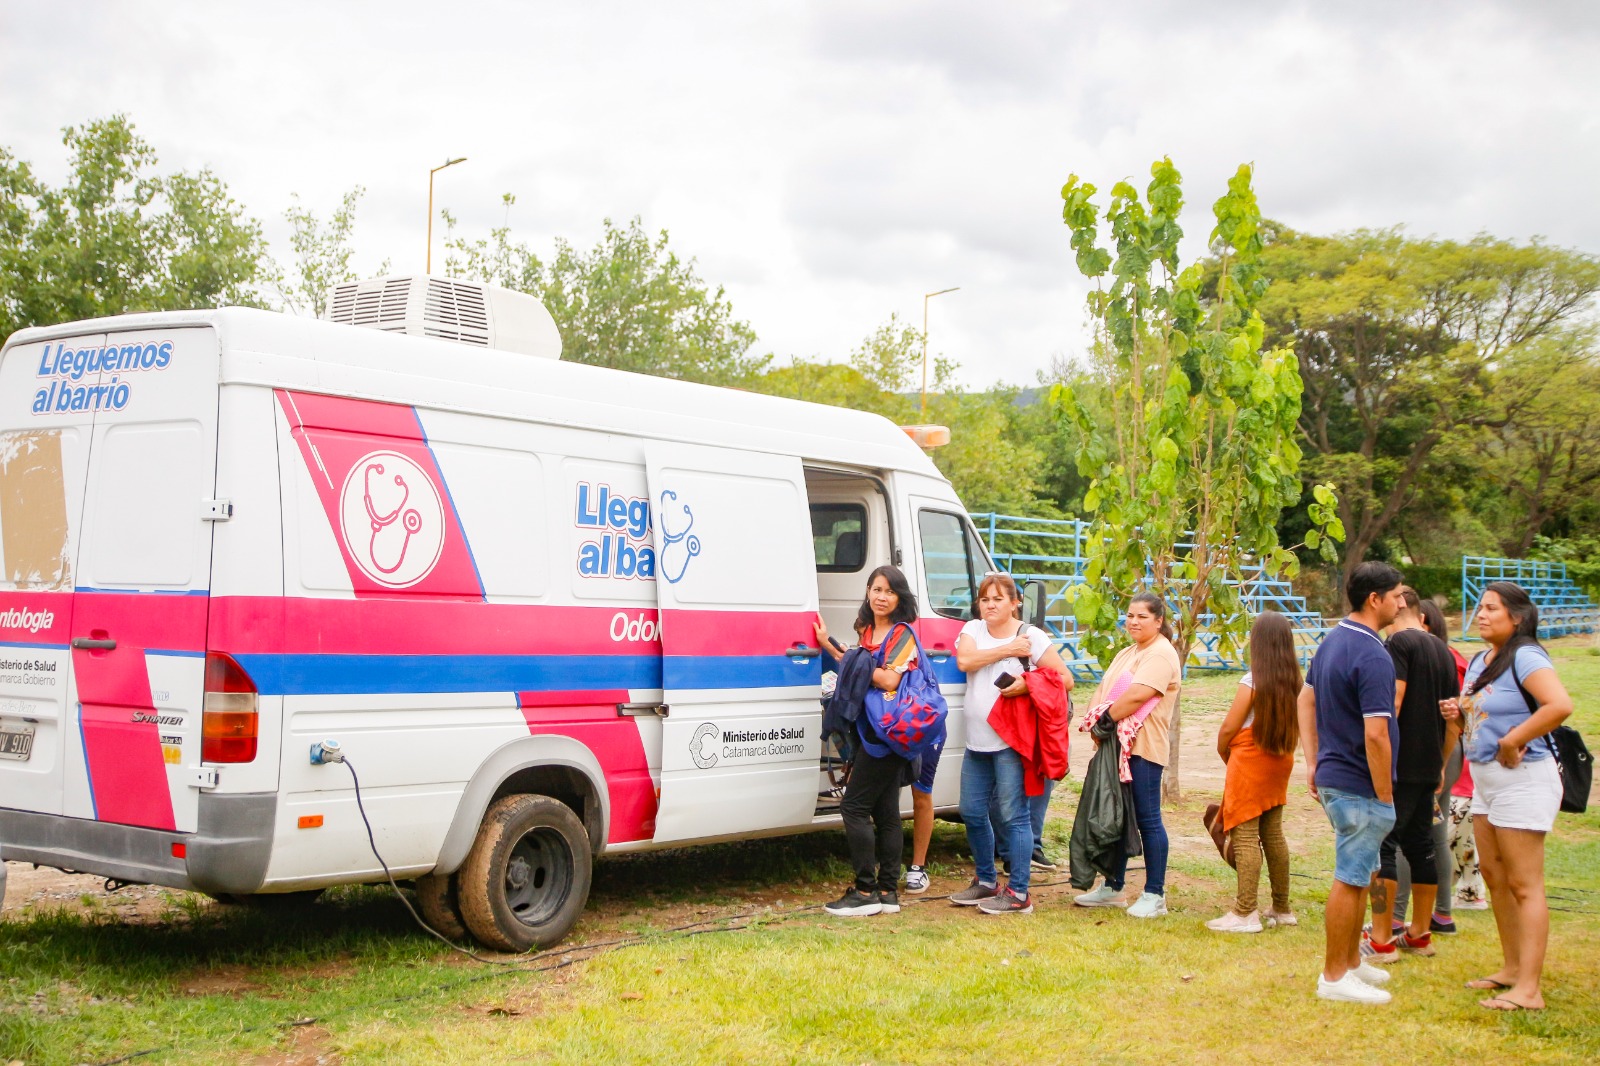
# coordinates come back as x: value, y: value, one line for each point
x: 1508, y: 1006
x: 1486, y: 984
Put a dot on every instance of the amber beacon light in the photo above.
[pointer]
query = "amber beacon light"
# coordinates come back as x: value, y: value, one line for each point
x: 928, y: 436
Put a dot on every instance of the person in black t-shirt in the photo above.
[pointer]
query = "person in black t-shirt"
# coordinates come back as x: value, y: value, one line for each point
x: 1425, y: 673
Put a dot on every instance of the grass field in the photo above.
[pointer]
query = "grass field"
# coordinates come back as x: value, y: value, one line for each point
x: 722, y: 954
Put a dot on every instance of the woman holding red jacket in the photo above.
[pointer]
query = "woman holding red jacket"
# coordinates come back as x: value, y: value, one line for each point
x: 990, y: 647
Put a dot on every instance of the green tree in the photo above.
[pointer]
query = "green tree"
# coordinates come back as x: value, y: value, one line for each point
x: 1195, y: 457
x: 629, y: 303
x: 117, y: 237
x: 322, y: 255
x: 1547, y: 458
x: 1401, y: 342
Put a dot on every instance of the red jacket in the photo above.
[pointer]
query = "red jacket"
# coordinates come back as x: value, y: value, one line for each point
x: 1035, y: 727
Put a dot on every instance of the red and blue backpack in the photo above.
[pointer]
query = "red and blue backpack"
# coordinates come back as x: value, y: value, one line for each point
x: 911, y: 719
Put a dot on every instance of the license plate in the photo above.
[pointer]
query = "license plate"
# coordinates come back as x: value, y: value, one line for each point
x: 16, y: 739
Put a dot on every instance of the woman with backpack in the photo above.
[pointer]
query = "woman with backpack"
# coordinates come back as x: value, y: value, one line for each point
x: 870, y: 807
x: 1257, y: 742
x: 1510, y: 703
x: 992, y: 649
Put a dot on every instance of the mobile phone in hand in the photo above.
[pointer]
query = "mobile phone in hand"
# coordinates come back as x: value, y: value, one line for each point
x: 1005, y: 680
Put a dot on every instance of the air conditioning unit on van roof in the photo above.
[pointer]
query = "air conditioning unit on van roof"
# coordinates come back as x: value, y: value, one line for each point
x: 469, y: 312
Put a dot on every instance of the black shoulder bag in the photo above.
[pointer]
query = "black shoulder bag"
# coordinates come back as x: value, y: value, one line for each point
x: 1571, y: 755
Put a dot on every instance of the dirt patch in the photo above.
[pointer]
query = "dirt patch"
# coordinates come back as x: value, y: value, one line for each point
x: 30, y: 888
x: 308, y: 1045
x: 221, y: 981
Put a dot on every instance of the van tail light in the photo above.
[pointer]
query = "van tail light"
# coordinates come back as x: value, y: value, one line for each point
x: 229, y: 722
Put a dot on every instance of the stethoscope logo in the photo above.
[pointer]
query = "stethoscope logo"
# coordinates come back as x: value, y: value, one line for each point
x: 393, y: 519
x: 678, y: 545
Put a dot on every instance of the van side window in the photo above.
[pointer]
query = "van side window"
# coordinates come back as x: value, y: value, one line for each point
x: 839, y: 537
x: 951, y: 561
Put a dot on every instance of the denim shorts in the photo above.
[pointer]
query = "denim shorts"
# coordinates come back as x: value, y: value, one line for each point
x: 930, y: 767
x: 1359, y: 825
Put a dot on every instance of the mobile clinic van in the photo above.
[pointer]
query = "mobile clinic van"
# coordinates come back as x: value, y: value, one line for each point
x: 549, y: 611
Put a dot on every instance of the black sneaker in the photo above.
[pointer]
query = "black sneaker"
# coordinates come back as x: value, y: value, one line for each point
x: 855, y: 904
x: 973, y: 894
x: 889, y: 903
x: 1041, y: 861
x: 1447, y: 926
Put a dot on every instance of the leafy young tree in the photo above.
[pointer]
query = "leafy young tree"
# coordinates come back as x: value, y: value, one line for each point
x: 1400, y: 343
x: 1195, y: 459
x: 118, y: 237
x: 322, y: 255
x: 628, y: 303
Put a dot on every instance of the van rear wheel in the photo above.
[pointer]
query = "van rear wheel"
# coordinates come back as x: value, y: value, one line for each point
x: 527, y: 876
x: 440, y: 904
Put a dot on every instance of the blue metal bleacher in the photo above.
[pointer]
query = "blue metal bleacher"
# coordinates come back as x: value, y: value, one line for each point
x: 1564, y: 607
x: 1051, y: 550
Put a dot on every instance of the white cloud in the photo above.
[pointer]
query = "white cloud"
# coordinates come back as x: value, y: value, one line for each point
x: 829, y: 163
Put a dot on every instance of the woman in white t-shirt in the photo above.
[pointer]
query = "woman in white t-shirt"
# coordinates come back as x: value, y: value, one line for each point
x: 989, y: 647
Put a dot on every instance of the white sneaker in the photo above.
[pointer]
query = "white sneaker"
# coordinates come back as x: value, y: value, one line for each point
x: 1470, y: 904
x: 1233, y: 922
x: 1371, y: 974
x: 1350, y: 989
x: 1104, y: 896
x: 916, y: 880
x: 1272, y: 918
x: 1149, y: 905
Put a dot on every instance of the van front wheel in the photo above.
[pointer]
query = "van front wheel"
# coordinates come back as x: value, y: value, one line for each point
x: 527, y: 876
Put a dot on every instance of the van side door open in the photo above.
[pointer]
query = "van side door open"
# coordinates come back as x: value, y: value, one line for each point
x: 741, y: 673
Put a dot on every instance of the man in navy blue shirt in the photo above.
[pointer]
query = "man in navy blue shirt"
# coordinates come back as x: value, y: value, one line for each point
x: 1349, y: 734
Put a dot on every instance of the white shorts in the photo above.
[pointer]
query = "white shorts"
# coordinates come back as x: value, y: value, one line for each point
x: 1527, y: 797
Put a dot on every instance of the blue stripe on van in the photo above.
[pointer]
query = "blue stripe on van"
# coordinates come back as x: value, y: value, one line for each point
x: 295, y: 675
x: 740, y: 671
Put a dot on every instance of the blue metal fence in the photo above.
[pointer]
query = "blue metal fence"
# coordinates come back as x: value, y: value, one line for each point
x: 1051, y: 550
x: 1564, y: 607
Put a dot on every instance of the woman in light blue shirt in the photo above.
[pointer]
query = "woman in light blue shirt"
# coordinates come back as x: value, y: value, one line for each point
x: 1510, y: 701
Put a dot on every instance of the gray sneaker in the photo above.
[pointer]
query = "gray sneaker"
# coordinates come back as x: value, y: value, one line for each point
x: 1104, y: 896
x: 974, y: 894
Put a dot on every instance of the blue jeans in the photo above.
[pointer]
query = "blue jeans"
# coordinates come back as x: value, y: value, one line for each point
x: 995, y: 777
x: 1038, y: 807
x: 1152, y: 831
x: 1359, y: 825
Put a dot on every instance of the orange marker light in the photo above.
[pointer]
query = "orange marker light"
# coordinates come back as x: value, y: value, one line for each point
x: 311, y: 821
x: 928, y: 436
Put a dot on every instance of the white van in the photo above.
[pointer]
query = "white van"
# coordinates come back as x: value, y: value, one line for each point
x: 549, y: 611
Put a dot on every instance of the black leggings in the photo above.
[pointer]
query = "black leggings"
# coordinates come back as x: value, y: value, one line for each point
x: 872, y: 825
x: 1412, y: 834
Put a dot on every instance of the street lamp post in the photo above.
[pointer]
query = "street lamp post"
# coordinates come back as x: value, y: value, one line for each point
x: 428, y: 262
x: 925, y: 298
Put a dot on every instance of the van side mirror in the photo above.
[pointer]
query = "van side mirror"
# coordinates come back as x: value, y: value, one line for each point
x: 1033, y: 600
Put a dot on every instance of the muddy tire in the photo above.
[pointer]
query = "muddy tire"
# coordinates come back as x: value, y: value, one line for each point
x: 440, y: 905
x: 527, y: 876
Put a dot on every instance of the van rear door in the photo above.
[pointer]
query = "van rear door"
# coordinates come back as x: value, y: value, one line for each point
x: 44, y: 458
x: 737, y: 588
x: 139, y: 621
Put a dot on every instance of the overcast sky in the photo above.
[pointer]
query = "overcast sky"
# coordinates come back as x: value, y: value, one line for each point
x: 830, y: 162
